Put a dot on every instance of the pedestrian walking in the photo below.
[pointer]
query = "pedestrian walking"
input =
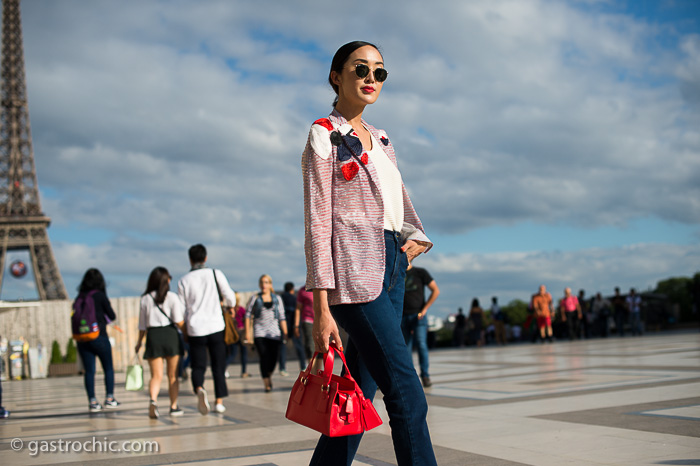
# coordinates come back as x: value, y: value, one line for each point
x: 93, y: 287
x: 201, y: 290
x: 361, y: 233
x: 289, y: 298
x: 266, y: 326
x: 161, y: 318
x: 414, y: 323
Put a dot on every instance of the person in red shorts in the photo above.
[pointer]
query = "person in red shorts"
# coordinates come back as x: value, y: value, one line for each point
x: 542, y: 305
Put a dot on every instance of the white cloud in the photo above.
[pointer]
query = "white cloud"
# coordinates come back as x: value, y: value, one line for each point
x: 161, y: 125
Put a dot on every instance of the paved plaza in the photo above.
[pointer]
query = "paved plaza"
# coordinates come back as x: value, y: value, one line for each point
x: 615, y: 401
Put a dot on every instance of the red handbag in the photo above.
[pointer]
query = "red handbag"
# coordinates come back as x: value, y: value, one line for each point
x: 331, y: 404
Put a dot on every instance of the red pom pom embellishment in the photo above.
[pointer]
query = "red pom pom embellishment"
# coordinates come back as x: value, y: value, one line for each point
x: 364, y: 158
x: 325, y: 122
x: 350, y: 170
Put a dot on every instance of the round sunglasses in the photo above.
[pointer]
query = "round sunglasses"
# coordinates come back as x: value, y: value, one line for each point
x: 362, y: 70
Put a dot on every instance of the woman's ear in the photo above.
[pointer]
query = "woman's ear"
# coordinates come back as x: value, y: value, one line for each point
x: 335, y: 78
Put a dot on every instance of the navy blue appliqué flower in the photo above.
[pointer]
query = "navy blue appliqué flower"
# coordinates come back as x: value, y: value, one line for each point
x: 352, y: 145
x: 336, y: 138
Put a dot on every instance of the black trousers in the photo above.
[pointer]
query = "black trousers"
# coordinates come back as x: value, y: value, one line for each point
x: 214, y: 343
x: 268, y: 350
x: 572, y: 325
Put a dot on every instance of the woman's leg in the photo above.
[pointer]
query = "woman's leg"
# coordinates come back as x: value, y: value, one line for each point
x: 88, y: 358
x: 156, y: 366
x: 377, y: 356
x: 274, y: 348
x: 104, y: 353
x: 173, y: 384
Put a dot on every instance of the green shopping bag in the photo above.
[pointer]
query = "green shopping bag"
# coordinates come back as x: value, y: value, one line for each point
x: 134, y: 374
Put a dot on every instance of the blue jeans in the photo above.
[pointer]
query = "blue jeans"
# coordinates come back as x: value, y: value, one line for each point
x: 99, y: 347
x: 233, y: 349
x: 298, y: 346
x: 377, y: 356
x: 636, y: 323
x: 412, y: 327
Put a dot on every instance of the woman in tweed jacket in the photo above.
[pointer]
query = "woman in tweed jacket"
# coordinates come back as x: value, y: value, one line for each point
x: 361, y: 231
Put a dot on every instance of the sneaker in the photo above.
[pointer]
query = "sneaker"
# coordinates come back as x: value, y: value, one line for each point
x: 95, y: 407
x: 111, y: 402
x: 4, y: 414
x: 245, y: 375
x: 153, y: 410
x: 219, y: 408
x: 203, y: 404
x: 227, y: 375
x: 177, y: 411
x: 284, y: 373
x: 426, y: 382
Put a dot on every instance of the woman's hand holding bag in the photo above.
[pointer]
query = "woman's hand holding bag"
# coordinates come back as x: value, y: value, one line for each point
x: 331, y: 404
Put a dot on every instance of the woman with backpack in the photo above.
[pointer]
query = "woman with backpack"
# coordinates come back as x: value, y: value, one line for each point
x: 265, y: 321
x: 162, y: 313
x: 92, y: 294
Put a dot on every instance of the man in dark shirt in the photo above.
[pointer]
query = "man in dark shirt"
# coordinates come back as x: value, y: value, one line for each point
x: 620, y: 309
x: 289, y: 299
x: 415, y: 308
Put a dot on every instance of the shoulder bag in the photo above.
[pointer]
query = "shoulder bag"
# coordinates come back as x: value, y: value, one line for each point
x: 231, y: 336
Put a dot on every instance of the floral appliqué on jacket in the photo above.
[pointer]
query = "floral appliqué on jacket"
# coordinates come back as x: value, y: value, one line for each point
x: 325, y: 134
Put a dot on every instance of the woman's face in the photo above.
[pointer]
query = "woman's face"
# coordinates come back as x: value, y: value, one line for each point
x: 265, y: 284
x: 353, y: 89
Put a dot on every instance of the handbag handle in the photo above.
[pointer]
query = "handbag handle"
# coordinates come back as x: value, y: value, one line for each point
x: 136, y: 357
x: 328, y: 361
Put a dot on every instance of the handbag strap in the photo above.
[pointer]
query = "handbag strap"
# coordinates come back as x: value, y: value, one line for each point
x: 221, y: 300
x: 328, y: 361
x: 161, y: 310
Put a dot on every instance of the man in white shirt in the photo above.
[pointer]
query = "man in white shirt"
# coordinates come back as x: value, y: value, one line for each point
x: 202, y: 290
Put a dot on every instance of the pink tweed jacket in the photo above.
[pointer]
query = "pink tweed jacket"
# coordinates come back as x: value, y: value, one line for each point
x: 344, y: 213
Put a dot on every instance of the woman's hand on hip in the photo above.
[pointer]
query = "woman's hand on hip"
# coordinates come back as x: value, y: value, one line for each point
x: 412, y: 249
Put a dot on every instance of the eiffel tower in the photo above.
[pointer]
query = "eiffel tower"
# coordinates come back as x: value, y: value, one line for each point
x: 22, y: 223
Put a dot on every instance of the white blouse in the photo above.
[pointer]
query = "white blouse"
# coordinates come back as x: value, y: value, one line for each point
x: 390, y: 184
x: 150, y: 316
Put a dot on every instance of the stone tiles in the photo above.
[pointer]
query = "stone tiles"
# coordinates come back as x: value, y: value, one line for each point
x: 615, y: 401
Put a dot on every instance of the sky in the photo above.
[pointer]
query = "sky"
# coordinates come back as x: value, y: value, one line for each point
x: 542, y: 142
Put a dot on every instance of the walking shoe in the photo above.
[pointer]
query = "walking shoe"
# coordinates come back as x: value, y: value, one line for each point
x: 176, y: 411
x: 219, y: 408
x: 245, y: 375
x: 153, y: 410
x: 227, y: 375
x: 203, y: 404
x: 111, y: 402
x: 95, y: 407
x: 426, y: 382
x: 4, y: 414
x: 284, y: 373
